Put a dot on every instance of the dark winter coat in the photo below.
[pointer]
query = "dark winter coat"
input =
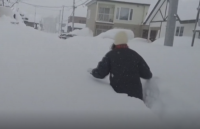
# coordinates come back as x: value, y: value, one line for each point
x: 125, y: 67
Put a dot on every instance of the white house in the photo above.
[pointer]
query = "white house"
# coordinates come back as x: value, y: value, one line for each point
x: 103, y: 15
x: 186, y: 18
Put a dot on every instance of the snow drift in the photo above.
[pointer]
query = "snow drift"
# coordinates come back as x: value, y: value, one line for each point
x: 83, y: 32
x: 41, y: 75
x: 180, y: 42
x: 111, y: 33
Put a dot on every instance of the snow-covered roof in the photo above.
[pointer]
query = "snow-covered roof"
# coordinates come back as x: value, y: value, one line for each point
x: 187, y: 9
x: 134, y: 1
x: 77, y: 25
x: 125, y: 1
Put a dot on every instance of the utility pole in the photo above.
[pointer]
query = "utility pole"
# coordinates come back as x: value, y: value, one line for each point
x: 197, y: 19
x: 73, y: 15
x: 59, y: 21
x: 171, y: 22
x: 62, y: 19
x: 34, y: 19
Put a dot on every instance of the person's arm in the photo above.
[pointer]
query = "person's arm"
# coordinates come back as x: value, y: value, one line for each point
x: 144, y: 69
x: 103, y: 68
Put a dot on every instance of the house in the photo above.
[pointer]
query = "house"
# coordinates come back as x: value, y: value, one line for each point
x: 79, y: 23
x: 185, y: 18
x: 103, y: 15
x: 77, y: 26
x: 77, y: 19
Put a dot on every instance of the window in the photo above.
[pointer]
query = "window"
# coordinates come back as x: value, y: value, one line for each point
x: 124, y: 14
x: 117, y: 16
x: 105, y: 14
x: 104, y: 10
x: 179, y: 31
x: 199, y: 35
x: 199, y: 23
x: 131, y: 14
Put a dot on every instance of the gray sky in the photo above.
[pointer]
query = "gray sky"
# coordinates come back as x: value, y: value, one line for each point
x: 80, y: 11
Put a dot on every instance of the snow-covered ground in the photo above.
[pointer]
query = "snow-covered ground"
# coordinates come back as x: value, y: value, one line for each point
x: 41, y: 74
x: 180, y: 42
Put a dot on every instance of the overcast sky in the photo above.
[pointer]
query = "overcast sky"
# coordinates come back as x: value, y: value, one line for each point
x: 80, y: 11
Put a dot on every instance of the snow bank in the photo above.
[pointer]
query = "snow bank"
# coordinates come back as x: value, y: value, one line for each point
x: 179, y: 42
x: 41, y: 74
x: 139, y: 40
x: 173, y: 93
x: 86, y: 32
x: 111, y: 33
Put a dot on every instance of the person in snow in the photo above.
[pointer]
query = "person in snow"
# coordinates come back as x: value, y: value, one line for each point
x: 125, y: 67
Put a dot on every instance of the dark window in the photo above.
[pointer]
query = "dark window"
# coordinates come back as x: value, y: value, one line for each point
x: 181, y: 31
x: 177, y: 31
x: 117, y: 16
x: 131, y: 14
x: 124, y: 13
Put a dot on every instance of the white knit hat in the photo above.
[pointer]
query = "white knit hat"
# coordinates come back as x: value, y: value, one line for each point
x: 121, y: 38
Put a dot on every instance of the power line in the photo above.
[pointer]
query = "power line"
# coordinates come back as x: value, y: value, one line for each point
x: 43, y: 6
x: 82, y: 3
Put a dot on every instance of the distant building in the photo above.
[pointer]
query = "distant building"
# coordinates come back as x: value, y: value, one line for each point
x: 185, y: 19
x: 79, y: 23
x: 77, y: 19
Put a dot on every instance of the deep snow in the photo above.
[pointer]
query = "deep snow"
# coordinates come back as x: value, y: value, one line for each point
x: 43, y: 74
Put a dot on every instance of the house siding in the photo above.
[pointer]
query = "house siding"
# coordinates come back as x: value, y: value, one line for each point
x: 188, y: 28
x: 90, y: 23
x: 137, y: 29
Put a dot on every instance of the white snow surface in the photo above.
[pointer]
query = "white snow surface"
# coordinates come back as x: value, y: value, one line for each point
x: 85, y: 32
x: 140, y: 40
x: 110, y: 34
x: 41, y: 74
x: 180, y: 42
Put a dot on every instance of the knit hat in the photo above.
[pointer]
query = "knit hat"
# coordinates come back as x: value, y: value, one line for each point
x: 121, y: 38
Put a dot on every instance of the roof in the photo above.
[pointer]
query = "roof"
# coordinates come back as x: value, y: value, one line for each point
x: 142, y: 2
x: 187, y: 10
